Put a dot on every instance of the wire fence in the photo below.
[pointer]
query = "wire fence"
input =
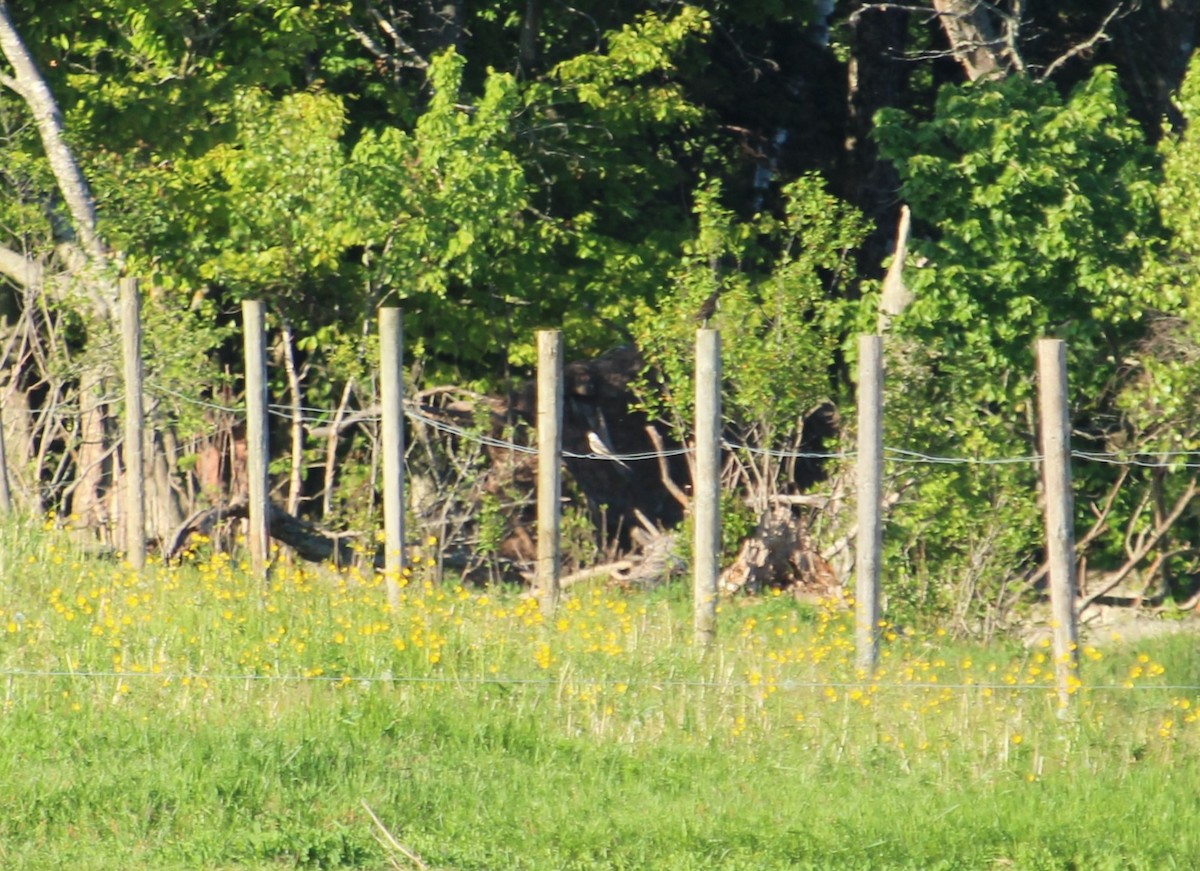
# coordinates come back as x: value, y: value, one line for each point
x: 313, y: 416
x: 787, y: 685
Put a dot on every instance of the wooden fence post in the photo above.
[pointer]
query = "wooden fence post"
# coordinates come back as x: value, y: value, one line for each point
x: 1060, y: 513
x: 257, y: 435
x: 135, y: 469
x: 707, y: 494
x: 869, y: 541
x: 391, y: 381
x: 549, y: 488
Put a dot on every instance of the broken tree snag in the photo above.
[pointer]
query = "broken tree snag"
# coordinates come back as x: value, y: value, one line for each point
x: 980, y: 37
x: 896, y: 296
x: 309, y: 542
x: 780, y: 554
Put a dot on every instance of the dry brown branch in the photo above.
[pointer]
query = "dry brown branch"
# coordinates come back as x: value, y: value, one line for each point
x: 1190, y: 603
x: 613, y: 570
x: 340, y: 425
x: 331, y: 446
x: 450, y: 390
x: 806, y: 499
x: 309, y: 542
x: 1146, y: 544
x: 1101, y: 35
x: 663, y: 471
x: 852, y: 533
x: 411, y: 860
x: 1097, y: 529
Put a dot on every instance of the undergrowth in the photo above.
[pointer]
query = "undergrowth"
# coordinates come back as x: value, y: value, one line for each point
x: 186, y: 717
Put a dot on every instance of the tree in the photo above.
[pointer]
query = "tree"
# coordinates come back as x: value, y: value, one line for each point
x: 1035, y: 215
x: 82, y: 252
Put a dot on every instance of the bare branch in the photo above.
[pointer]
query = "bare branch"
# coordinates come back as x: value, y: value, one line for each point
x: 807, y: 500
x: 1146, y: 544
x: 982, y: 35
x: 1101, y: 35
x: 664, y: 472
x: 401, y: 44
x: 368, y: 42
x: 892, y: 7
x: 971, y: 29
x: 611, y: 571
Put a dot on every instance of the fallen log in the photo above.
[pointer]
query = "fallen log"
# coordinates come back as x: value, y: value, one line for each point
x: 308, y: 541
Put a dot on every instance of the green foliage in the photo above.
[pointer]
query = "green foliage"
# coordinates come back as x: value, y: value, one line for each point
x: 280, y: 189
x: 23, y: 182
x: 608, y: 139
x: 1039, y: 213
x: 598, y: 179
x: 179, y: 341
x: 160, y: 77
x: 1159, y: 399
x: 446, y: 199
x: 774, y: 281
x: 780, y: 326
x: 1035, y: 216
x: 626, y: 83
x: 236, y: 151
x: 738, y: 522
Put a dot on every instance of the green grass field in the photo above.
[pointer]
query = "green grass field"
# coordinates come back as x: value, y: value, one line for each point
x: 183, y: 718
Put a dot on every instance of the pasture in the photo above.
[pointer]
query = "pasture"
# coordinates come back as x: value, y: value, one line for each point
x: 183, y: 717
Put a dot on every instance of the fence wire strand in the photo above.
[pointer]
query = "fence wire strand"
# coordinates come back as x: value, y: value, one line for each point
x: 641, y: 683
x: 311, y: 416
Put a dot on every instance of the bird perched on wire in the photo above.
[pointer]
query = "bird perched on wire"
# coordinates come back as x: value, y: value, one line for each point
x: 600, y: 448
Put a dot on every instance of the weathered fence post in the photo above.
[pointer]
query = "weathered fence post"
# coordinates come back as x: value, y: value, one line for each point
x: 549, y: 487
x: 257, y: 441
x: 869, y: 541
x: 707, y: 494
x: 1060, y: 513
x: 391, y: 381
x: 135, y: 469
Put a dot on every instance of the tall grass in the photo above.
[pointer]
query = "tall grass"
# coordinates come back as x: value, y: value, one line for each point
x: 184, y: 717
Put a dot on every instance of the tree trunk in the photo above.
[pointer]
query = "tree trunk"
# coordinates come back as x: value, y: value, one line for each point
x: 164, y: 511
x: 296, y: 401
x: 86, y: 262
x: 29, y: 84
x: 94, y: 470
x: 976, y: 39
x: 877, y: 78
x: 1151, y: 47
x: 780, y: 554
x: 528, y: 46
x: 309, y: 542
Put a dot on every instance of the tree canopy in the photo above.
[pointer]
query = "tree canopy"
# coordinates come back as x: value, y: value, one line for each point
x: 615, y: 168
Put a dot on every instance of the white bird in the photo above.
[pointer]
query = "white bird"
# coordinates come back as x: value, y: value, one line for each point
x: 597, y: 446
